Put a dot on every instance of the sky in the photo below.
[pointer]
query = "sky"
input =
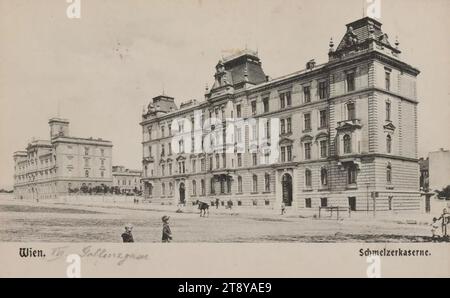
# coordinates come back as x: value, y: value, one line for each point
x: 100, y: 70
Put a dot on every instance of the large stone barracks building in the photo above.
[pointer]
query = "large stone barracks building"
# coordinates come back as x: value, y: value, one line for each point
x: 49, y: 168
x: 346, y: 136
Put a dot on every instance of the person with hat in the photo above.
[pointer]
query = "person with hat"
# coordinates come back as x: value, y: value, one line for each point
x: 166, y: 232
x: 127, y: 236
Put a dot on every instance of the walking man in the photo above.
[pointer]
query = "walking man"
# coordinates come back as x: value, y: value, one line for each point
x: 166, y: 232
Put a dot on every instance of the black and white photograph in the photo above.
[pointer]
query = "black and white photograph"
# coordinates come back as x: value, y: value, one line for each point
x: 225, y: 123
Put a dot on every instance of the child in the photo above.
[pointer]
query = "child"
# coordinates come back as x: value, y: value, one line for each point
x: 434, y: 229
x: 127, y: 236
x: 166, y: 232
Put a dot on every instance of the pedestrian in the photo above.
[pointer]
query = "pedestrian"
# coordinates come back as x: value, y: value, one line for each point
x: 166, y: 232
x: 127, y: 236
x: 230, y: 204
x: 217, y: 203
x: 445, y: 217
x: 434, y: 229
x: 283, y: 208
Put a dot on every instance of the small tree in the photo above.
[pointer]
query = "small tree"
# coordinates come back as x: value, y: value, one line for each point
x: 444, y: 194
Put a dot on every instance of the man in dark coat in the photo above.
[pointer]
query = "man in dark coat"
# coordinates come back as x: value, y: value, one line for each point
x: 127, y: 236
x: 166, y: 232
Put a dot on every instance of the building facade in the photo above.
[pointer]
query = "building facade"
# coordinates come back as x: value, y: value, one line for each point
x: 48, y: 168
x: 346, y: 133
x: 126, y: 180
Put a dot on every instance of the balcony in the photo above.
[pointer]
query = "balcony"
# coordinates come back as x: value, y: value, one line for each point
x: 350, y: 124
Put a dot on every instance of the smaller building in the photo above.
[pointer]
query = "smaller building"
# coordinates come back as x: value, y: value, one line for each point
x: 439, y: 169
x: 126, y: 180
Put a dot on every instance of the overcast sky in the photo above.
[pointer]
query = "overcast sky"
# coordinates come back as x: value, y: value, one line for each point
x: 105, y: 66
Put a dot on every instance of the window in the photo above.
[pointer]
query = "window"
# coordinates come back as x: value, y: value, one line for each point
x: 224, y: 160
x: 170, y: 189
x: 255, y: 183
x: 323, y: 148
x: 163, y: 189
x: 307, y: 121
x: 228, y: 185
x: 181, y: 146
x: 289, y: 153
x: 239, y: 159
x: 350, y: 81
x: 102, y: 152
x: 266, y: 104
x: 387, y: 80
x: 169, y: 128
x: 255, y: 159
x: 239, y: 184
x: 162, y: 150
x: 194, y: 187
x: 253, y: 107
x: 285, y: 99
x: 307, y: 93
x: 238, y: 135
x: 86, y: 173
x: 389, y: 173
x: 307, y: 151
x: 86, y: 150
x: 282, y: 126
x: 102, y: 162
x: 308, y: 178
x: 194, y: 164
x: 347, y: 144
x: 86, y: 162
x: 149, y: 133
x: 388, y: 144
x: 323, y: 90
x: 289, y: 125
x: 323, y: 119
x: 351, y: 115
x: 283, y: 154
x: 162, y: 132
x: 351, y: 175
x: 202, y: 183
x: 388, y: 111
x: 169, y: 148
x: 324, y: 177
x: 212, y: 186
x: 203, y: 164
x: 308, y: 203
x: 323, y: 202
x: 210, y: 163
x: 150, y: 154
x: 163, y: 170
x: 267, y: 182
x: 238, y: 111
x: 170, y: 169
x: 217, y: 161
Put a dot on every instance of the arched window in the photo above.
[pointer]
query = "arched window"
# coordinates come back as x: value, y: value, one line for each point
x: 347, y: 144
x: 239, y: 184
x: 308, y: 177
x: 194, y: 187
x: 389, y: 173
x: 255, y: 183
x: 388, y: 144
x: 267, y: 182
x: 324, y: 176
x: 163, y: 189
